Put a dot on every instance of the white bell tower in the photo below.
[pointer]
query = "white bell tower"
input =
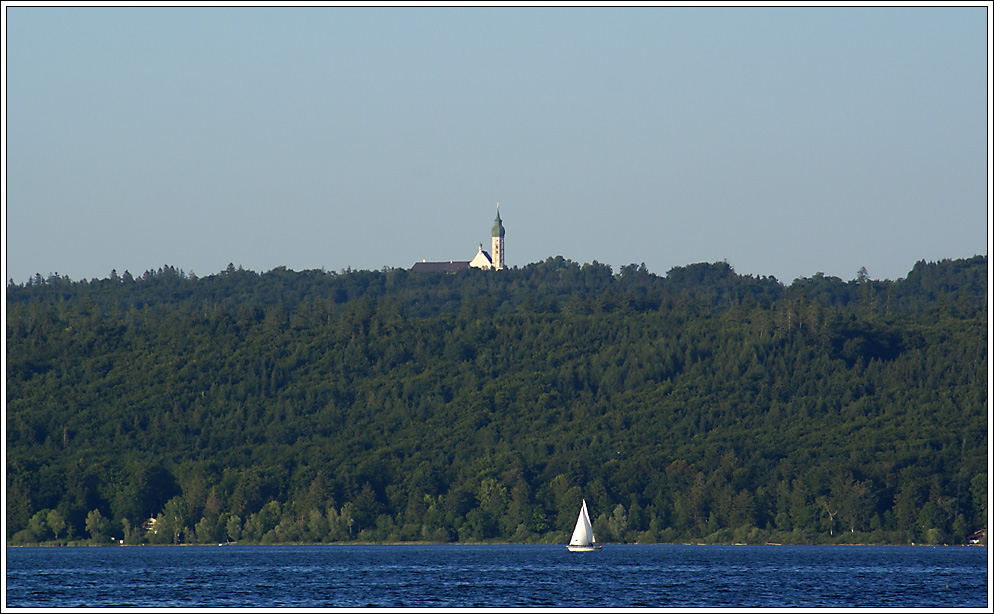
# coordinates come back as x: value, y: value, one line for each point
x: 497, y: 242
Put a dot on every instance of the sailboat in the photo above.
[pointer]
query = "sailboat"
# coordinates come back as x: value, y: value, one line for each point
x: 583, y: 534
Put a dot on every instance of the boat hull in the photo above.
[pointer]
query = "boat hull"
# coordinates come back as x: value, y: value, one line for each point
x: 583, y: 548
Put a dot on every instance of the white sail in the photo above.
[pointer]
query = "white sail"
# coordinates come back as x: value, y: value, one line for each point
x: 583, y: 533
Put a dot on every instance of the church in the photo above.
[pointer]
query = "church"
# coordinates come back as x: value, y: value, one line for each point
x: 482, y: 260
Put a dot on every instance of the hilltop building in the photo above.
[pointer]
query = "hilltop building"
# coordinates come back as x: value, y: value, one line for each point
x: 497, y: 242
x: 482, y: 260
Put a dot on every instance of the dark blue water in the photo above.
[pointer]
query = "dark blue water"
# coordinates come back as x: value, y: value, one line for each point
x: 498, y: 576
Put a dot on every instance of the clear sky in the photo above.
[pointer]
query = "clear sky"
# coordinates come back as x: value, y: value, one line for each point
x: 787, y: 141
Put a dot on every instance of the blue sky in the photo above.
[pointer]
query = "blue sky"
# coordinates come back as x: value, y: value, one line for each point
x: 787, y: 141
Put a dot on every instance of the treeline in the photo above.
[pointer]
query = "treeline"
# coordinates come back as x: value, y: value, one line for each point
x: 482, y: 406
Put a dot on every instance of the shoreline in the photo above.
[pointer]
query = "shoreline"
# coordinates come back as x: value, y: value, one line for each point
x: 475, y: 544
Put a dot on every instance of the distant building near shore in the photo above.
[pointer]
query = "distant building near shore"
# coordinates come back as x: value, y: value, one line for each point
x: 482, y: 260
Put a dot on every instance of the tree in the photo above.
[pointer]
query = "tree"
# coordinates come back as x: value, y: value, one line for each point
x: 978, y: 488
x: 618, y: 523
x: 173, y: 518
x: 38, y: 528
x: 56, y: 522
x: 829, y: 511
x: 743, y: 512
x: 96, y: 525
x: 233, y: 527
x: 852, y: 499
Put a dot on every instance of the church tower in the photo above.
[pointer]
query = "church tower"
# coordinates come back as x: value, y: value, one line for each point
x: 497, y: 242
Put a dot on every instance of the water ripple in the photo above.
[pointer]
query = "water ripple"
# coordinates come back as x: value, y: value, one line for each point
x: 497, y: 576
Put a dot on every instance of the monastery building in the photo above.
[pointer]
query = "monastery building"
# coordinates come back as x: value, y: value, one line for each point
x: 482, y: 260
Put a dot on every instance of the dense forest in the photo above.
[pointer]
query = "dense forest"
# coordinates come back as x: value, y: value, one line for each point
x: 393, y: 406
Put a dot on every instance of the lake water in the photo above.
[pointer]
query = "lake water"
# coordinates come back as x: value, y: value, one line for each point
x: 498, y: 576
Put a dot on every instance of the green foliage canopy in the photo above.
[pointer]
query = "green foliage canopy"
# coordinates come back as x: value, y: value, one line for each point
x: 482, y: 406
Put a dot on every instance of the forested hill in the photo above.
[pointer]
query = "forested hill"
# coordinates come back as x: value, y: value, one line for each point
x: 390, y: 405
